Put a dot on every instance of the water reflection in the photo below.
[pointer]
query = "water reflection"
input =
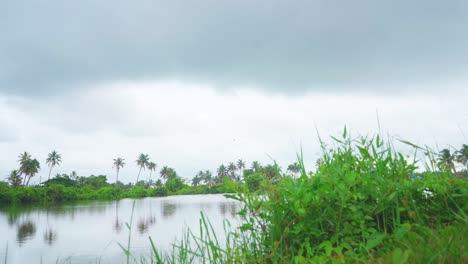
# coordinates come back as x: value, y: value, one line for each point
x: 232, y: 208
x: 145, y: 223
x: 25, y: 231
x: 168, y: 209
x: 50, y: 236
x: 95, y: 228
x: 117, y: 223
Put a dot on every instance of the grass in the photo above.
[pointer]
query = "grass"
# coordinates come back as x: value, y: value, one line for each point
x: 362, y: 205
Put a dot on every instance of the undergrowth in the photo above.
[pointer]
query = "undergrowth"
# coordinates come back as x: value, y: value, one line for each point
x: 362, y: 205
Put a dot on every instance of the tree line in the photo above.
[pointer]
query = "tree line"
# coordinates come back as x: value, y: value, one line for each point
x: 235, y: 171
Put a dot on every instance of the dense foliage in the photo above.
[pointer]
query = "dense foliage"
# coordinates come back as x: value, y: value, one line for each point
x: 365, y: 203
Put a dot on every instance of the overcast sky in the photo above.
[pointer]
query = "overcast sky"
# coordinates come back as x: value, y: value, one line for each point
x: 198, y: 83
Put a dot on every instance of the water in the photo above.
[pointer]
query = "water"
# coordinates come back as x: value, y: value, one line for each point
x: 90, y: 232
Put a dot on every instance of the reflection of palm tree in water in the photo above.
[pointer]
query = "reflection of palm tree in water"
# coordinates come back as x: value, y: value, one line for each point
x: 26, y: 230
x: 117, y: 224
x: 222, y: 208
x: 168, y: 209
x: 50, y: 235
x: 146, y: 222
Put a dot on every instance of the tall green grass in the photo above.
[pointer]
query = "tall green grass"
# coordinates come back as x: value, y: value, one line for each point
x: 362, y: 205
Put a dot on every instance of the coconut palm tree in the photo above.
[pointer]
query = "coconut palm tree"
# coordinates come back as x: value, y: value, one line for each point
x: 74, y: 175
x: 30, y: 168
x: 142, y: 161
x: 240, y: 166
x: 207, y: 177
x: 294, y: 168
x: 221, y: 171
x: 54, y: 158
x: 166, y: 172
x: 118, y: 164
x: 23, y: 158
x: 447, y: 159
x: 256, y: 166
x: 151, y: 167
x: 462, y: 155
x: 232, y: 170
x: 15, y: 178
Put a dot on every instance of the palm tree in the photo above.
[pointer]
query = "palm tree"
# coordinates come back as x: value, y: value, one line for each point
x: 294, y: 168
x: 151, y: 167
x: 74, y: 175
x: 256, y: 166
x: 30, y: 168
x: 240, y: 166
x: 142, y: 161
x: 118, y: 164
x: 198, y: 178
x: 207, y: 177
x: 15, y: 178
x: 23, y: 158
x: 447, y: 159
x: 462, y: 155
x: 232, y: 170
x: 221, y: 171
x: 165, y: 172
x: 54, y: 158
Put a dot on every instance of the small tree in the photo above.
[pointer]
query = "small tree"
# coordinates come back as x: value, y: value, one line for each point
x: 15, y: 178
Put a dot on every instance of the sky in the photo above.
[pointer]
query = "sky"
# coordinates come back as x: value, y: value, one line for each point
x: 198, y: 83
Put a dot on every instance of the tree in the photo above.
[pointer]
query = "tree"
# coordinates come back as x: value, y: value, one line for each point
x: 207, y: 177
x: 447, y: 159
x: 23, y: 158
x: 142, y: 161
x: 118, y: 164
x: 294, y: 168
x: 240, y: 166
x: 54, y: 158
x: 15, y: 178
x: 30, y: 168
x: 462, y: 155
x: 232, y: 171
x: 74, y: 175
x: 167, y: 173
x: 198, y: 178
x: 221, y: 171
x: 151, y: 167
x: 256, y: 166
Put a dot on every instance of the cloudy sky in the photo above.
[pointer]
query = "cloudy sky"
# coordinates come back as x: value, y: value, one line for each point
x: 198, y: 83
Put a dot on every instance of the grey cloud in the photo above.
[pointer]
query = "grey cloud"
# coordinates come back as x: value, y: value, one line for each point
x: 291, y: 46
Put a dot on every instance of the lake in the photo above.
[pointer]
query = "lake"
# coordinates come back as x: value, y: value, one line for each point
x: 91, y: 231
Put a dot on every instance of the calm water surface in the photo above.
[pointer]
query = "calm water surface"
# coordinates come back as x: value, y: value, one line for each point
x: 90, y: 232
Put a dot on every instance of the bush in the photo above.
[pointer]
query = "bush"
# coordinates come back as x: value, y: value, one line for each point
x: 136, y: 192
x: 55, y: 192
x: 157, y: 192
x: 253, y: 181
x: 174, y: 184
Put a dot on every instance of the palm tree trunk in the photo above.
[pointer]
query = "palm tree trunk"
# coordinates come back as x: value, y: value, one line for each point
x: 138, y: 177
x: 117, y: 177
x: 50, y: 171
x: 151, y: 173
x: 29, y: 178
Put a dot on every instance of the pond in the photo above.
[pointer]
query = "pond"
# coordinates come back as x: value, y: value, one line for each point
x: 91, y: 231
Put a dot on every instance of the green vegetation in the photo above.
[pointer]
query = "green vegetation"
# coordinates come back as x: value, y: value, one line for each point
x: 366, y: 203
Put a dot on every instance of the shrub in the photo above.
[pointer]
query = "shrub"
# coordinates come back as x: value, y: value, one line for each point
x: 174, y: 184
x: 55, y: 192
x: 157, y: 192
x: 253, y: 181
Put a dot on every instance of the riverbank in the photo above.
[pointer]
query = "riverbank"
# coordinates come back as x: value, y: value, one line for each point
x: 366, y: 203
x: 57, y: 193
